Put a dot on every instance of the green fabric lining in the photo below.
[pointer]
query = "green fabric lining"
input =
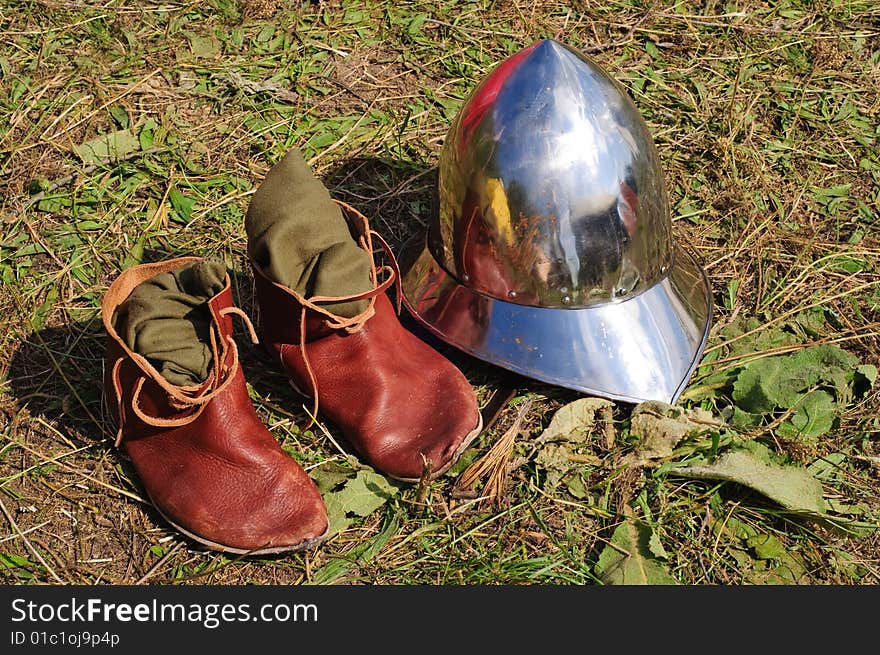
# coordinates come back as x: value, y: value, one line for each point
x: 167, y: 320
x: 300, y: 239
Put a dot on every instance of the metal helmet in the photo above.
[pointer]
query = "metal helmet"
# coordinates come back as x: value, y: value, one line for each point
x: 550, y: 252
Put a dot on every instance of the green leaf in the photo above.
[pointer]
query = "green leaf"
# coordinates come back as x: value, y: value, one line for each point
x: 367, y: 492
x: 321, y: 140
x: 364, y: 551
x: 743, y: 419
x: 781, y: 382
x: 146, y: 137
x: 12, y: 561
x: 766, y: 546
x: 108, y: 147
x: 120, y: 116
x: 757, y: 341
x: 337, y: 517
x: 205, y: 47
x: 329, y: 476
x: 656, y: 547
x: 577, y: 487
x: 182, y: 205
x: 136, y: 256
x: 814, y: 416
x: 361, y: 496
x: 863, y: 378
x: 848, y: 264
x: 415, y: 25
x: 812, y: 321
x: 628, y: 560
x: 827, y: 363
x: 828, y: 467
x: 39, y: 318
x: 793, y: 488
x: 756, y: 389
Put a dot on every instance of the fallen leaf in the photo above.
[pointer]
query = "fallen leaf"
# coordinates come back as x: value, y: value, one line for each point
x: 575, y: 421
x: 571, y: 428
x: 793, y: 488
x: 360, y: 496
x: 108, y: 147
x: 628, y: 559
x: 660, y: 427
x: 555, y: 460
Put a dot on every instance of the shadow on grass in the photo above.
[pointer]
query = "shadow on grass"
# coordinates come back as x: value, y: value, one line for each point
x: 56, y: 373
x: 399, y: 199
x: 60, y: 462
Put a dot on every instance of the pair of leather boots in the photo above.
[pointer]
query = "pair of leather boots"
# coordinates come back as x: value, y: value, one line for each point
x: 208, y: 463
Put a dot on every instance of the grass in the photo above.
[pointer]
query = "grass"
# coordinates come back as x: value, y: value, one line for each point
x: 766, y: 119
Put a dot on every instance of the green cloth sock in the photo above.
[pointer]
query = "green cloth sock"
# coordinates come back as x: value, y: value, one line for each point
x: 166, y: 319
x: 298, y: 236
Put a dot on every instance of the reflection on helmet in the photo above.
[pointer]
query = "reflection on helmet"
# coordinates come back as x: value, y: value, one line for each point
x: 551, y: 197
x: 584, y: 216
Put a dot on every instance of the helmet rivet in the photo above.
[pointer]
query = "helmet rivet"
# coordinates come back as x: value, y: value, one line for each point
x: 620, y: 293
x: 563, y: 289
x: 566, y: 300
x: 511, y: 294
x: 465, y: 278
x: 663, y: 269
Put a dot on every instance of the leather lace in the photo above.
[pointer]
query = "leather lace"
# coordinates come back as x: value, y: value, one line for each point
x: 194, y: 398
x: 391, y: 274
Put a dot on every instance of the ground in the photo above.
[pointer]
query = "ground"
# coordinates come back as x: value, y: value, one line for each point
x: 136, y: 132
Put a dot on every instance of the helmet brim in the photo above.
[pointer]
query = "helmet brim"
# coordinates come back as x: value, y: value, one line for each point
x: 643, y: 348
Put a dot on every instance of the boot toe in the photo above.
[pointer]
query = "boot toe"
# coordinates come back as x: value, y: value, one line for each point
x: 264, y: 503
x: 263, y: 521
x: 440, y: 439
x: 295, y: 516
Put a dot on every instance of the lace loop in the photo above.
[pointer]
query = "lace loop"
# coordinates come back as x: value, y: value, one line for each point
x: 355, y: 323
x: 235, y: 311
x: 185, y: 397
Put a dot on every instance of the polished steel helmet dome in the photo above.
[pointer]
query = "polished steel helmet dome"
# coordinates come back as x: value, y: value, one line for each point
x: 551, y: 250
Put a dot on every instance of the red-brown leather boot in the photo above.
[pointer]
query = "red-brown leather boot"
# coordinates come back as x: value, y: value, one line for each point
x: 399, y: 403
x: 205, y: 459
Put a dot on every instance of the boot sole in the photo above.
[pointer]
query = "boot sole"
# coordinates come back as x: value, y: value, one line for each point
x: 213, y: 545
